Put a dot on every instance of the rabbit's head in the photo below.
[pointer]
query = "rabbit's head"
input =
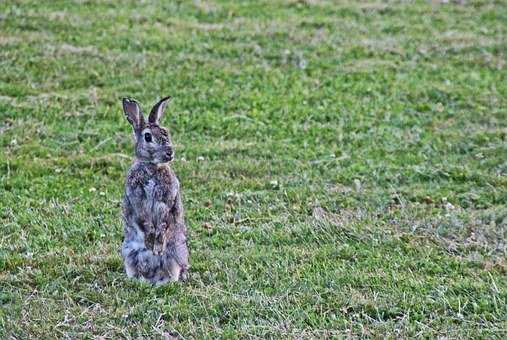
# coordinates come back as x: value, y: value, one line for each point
x: 153, y: 142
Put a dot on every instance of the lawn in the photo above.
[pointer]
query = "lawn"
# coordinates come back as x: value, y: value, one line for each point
x: 343, y: 167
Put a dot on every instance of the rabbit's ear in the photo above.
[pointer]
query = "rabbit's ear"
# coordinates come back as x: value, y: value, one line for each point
x: 158, y: 110
x: 133, y: 113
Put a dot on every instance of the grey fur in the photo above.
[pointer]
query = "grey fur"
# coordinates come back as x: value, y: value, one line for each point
x: 155, y: 243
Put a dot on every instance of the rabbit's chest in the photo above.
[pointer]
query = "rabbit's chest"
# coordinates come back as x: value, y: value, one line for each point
x: 156, y: 192
x: 151, y: 190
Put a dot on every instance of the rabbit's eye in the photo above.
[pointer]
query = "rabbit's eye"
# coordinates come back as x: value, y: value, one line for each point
x: 147, y: 137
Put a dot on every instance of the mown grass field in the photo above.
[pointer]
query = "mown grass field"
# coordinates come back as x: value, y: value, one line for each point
x: 343, y: 164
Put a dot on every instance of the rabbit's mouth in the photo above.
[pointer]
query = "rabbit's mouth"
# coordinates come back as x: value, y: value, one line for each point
x: 167, y: 157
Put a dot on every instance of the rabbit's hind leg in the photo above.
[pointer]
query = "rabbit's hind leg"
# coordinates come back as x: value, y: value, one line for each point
x: 184, y: 274
x: 174, y: 269
x: 131, y: 270
x: 130, y: 254
x: 162, y: 279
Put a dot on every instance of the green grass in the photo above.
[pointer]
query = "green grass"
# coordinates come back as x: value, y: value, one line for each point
x: 343, y: 164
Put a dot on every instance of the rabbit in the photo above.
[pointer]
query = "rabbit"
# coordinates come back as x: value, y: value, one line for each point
x: 155, y: 236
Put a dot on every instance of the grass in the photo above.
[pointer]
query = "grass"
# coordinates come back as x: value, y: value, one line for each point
x: 343, y: 166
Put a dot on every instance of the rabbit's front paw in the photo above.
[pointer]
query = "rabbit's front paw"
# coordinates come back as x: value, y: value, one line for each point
x: 149, y: 240
x: 160, y: 242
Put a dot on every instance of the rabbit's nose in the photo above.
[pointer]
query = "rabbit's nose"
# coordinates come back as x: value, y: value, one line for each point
x: 169, y: 152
